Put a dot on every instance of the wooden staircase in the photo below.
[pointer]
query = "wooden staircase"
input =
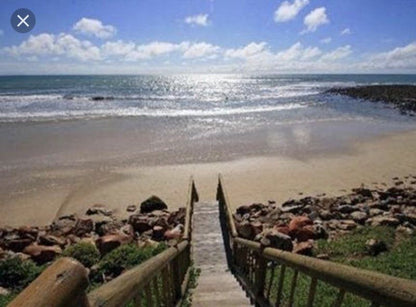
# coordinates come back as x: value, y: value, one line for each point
x: 216, y: 285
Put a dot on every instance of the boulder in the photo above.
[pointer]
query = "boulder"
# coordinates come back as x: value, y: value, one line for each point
x: 275, y: 239
x: 65, y: 224
x: 50, y: 240
x: 99, y: 209
x: 303, y: 248
x: 363, y: 192
x: 243, y: 210
x: 359, y: 216
x: 299, y: 222
x: 158, y: 233
x: 131, y: 208
x: 175, y: 233
x: 282, y: 229
x: 246, y: 230
x: 83, y: 227
x: 4, y: 291
x: 177, y: 217
x: 303, y: 234
x: 17, y: 244
x: 107, y: 243
x: 375, y: 247
x: 326, y: 215
x: 383, y: 221
x: 41, y: 253
x: 347, y: 225
x: 151, y: 204
x: 140, y: 223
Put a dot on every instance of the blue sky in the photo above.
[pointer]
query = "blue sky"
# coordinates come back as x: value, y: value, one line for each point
x: 293, y: 36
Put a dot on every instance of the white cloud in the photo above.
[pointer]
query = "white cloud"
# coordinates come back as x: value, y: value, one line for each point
x: 63, y: 44
x: 346, y: 31
x: 326, y: 40
x: 198, y: 20
x: 247, y: 51
x: 118, y: 48
x: 198, y: 50
x: 314, y: 19
x: 298, y: 52
x: 337, y: 54
x: 94, y: 27
x: 398, y: 58
x: 287, y: 11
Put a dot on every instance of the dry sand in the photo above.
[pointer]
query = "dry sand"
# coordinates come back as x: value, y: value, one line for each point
x: 257, y: 179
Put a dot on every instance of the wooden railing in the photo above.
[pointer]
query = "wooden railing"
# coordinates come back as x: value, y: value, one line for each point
x: 159, y: 281
x: 271, y: 277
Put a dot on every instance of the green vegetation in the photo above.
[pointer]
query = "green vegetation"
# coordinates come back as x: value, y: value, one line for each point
x: 193, y: 282
x: 123, y: 258
x: 84, y: 252
x: 5, y: 299
x: 399, y: 260
x: 17, y: 274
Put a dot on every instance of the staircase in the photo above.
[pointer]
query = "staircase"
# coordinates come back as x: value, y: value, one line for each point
x: 216, y: 285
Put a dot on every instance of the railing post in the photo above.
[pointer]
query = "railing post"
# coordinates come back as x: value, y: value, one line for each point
x: 260, y: 276
x: 176, y: 279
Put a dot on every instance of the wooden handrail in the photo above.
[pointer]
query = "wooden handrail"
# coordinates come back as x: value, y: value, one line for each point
x: 124, y: 288
x: 249, y: 264
x: 61, y: 284
x: 192, y: 197
x: 223, y: 199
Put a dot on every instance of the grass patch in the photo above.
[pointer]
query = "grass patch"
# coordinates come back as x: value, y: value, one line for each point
x: 399, y: 261
x: 84, y: 252
x: 193, y: 282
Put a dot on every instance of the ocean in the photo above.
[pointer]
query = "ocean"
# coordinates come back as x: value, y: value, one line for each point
x: 295, y: 97
x: 48, y: 120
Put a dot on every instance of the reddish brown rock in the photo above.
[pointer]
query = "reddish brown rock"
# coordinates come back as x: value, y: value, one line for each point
x: 107, y: 243
x: 175, y: 233
x: 299, y: 222
x: 245, y: 230
x: 99, y: 209
x: 17, y: 245
x: 42, y: 254
x: 282, y: 229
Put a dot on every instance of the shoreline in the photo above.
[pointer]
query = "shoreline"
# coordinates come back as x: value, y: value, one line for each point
x: 252, y: 179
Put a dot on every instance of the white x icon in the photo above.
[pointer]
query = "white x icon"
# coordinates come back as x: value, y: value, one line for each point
x: 23, y: 20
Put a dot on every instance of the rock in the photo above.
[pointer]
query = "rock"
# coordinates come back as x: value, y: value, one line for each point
x: 127, y: 230
x: 375, y: 247
x: 175, y: 233
x: 303, y: 234
x: 177, y: 217
x: 245, y: 230
x: 363, y: 192
x: 83, y: 227
x: 292, y: 209
x: 42, y: 254
x: 151, y: 204
x: 347, y: 225
x: 131, y: 208
x: 346, y: 209
x: 28, y: 232
x: 275, y: 239
x: 299, y: 222
x: 243, y: 210
x: 50, y: 240
x: 18, y: 245
x: 147, y: 243
x: 383, y: 221
x: 375, y: 211
x: 140, y: 223
x: 282, y: 229
x: 326, y: 215
x: 405, y: 230
x: 303, y: 248
x: 99, y: 209
x: 65, y: 224
x: 4, y: 291
x: 359, y: 216
x: 107, y: 243
x: 158, y: 233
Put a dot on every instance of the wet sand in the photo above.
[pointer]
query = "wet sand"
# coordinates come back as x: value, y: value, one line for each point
x: 36, y: 195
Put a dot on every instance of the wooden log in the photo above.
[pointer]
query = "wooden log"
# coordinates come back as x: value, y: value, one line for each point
x: 63, y: 283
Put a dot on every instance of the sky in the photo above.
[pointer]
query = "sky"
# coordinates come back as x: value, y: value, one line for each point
x: 230, y: 36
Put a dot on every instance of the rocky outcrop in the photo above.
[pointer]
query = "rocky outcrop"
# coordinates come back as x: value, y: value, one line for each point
x: 98, y: 226
x: 310, y: 218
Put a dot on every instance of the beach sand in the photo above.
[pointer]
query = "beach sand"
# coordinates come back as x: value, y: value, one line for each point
x: 40, y: 194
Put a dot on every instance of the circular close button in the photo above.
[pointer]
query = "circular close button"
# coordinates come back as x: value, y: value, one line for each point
x: 23, y: 20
